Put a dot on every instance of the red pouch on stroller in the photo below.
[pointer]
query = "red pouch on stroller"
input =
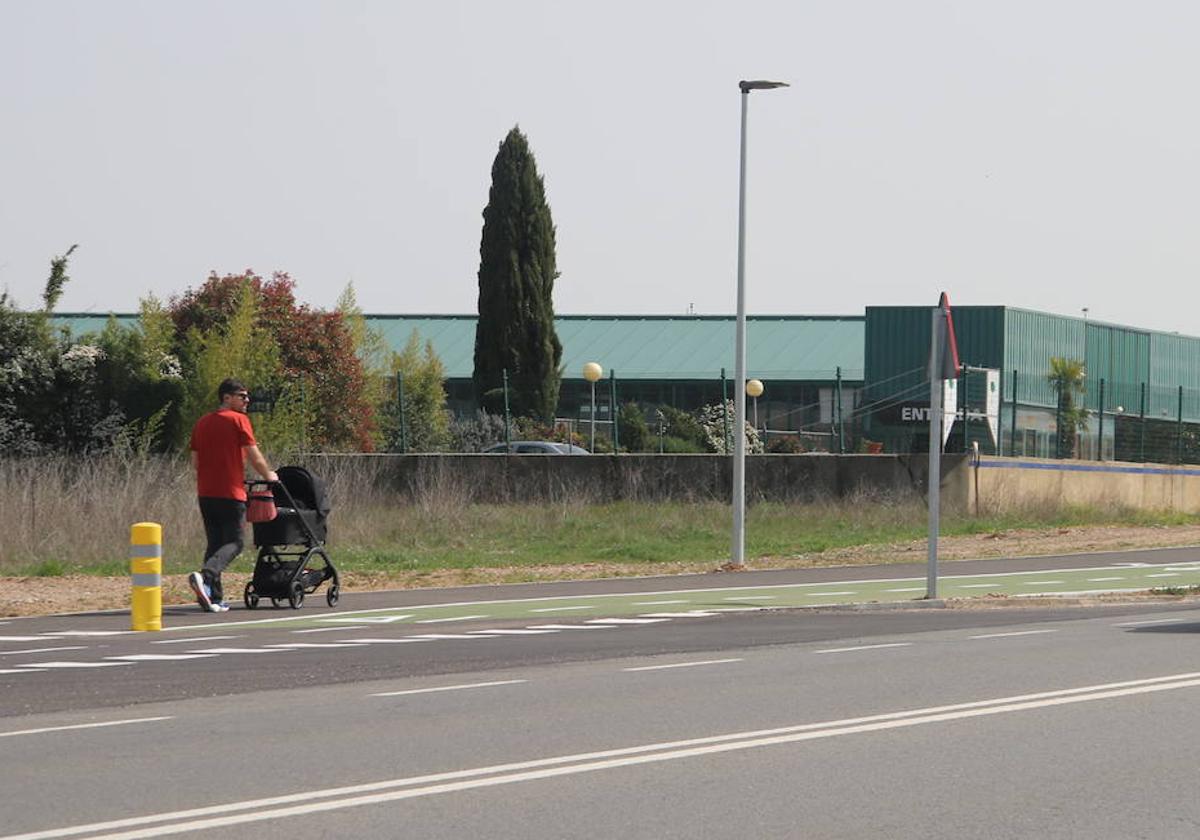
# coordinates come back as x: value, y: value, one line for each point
x: 261, y: 506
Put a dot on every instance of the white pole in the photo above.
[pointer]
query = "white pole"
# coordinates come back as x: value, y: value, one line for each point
x: 738, y: 554
x: 935, y: 451
x: 593, y: 444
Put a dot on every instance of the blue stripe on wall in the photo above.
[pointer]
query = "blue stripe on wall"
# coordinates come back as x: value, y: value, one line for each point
x: 1074, y: 467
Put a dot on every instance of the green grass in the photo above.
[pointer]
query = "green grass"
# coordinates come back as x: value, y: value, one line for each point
x: 383, y: 535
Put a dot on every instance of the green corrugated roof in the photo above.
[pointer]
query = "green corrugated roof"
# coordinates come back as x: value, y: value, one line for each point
x: 786, y: 347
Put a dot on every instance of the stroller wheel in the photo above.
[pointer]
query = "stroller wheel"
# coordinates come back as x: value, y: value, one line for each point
x: 275, y: 603
x: 332, y: 593
x: 250, y: 597
x: 296, y: 594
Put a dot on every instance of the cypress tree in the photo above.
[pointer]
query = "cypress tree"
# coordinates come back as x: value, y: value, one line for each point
x: 515, y: 331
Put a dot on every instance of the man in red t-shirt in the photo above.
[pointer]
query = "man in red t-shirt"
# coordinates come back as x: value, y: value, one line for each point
x: 222, y: 443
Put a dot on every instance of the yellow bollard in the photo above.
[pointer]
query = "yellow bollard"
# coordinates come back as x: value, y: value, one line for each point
x: 145, y: 568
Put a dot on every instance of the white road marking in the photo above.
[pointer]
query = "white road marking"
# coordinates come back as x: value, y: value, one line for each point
x: 161, y: 657
x: 88, y: 633
x: 42, y: 650
x: 72, y: 664
x: 563, y: 609
x: 1164, y: 574
x: 865, y: 647
x: 570, y: 627
x: 1013, y: 633
x: 658, y: 603
x: 304, y: 802
x: 333, y: 629
x: 372, y: 619
x: 448, y: 688
x: 1147, y: 623
x: 752, y: 598
x: 22, y: 638
x: 683, y: 614
x: 1103, y: 579
x: 682, y: 665
x: 400, y: 641
x: 525, y: 632
x: 317, y: 645
x: 626, y: 620
x: 197, y: 639
x: 19, y: 671
x: 432, y: 636
x: 84, y: 726
x: 238, y: 650
x: 749, y: 609
x: 908, y: 589
x: 977, y: 586
x: 827, y: 594
x: 1041, y: 582
x: 456, y: 618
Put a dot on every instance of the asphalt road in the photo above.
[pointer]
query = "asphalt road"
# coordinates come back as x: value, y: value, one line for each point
x: 785, y: 723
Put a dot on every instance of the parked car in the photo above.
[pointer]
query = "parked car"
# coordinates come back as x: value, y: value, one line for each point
x: 537, y: 447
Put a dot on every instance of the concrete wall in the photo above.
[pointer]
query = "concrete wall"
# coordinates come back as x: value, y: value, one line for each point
x: 1002, y: 483
x: 505, y: 478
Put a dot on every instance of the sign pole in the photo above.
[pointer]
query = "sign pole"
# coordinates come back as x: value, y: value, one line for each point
x: 935, y: 451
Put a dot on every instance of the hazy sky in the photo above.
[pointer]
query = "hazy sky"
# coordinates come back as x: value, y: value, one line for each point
x: 1036, y: 154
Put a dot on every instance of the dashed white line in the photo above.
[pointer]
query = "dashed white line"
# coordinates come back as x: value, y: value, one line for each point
x: 1013, y: 633
x: 400, y: 641
x: 456, y: 618
x: 865, y: 647
x: 432, y: 636
x: 333, y: 629
x: 524, y: 632
x: 83, y: 726
x: 659, y: 603
x: 161, y: 657
x: 1147, y: 623
x: 1041, y: 582
x: 19, y: 671
x: 684, y: 614
x: 752, y: 598
x: 448, y: 688
x: 976, y: 585
x: 570, y: 627
x: 89, y: 633
x: 682, y: 665
x: 195, y: 639
x: 626, y: 620
x: 72, y: 664
x: 317, y: 645
x: 1103, y: 579
x: 1164, y: 574
x: 908, y: 589
x: 827, y: 594
x: 42, y: 650
x: 239, y: 650
x: 22, y: 638
x: 562, y: 609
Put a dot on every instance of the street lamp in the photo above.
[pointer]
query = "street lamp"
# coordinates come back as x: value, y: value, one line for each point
x: 738, y: 554
x: 754, y: 389
x: 592, y: 373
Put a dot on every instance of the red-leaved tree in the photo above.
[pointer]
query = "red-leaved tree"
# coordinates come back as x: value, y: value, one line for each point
x: 315, y: 347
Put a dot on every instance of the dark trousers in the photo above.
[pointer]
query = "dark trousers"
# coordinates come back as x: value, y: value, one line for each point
x: 224, y: 520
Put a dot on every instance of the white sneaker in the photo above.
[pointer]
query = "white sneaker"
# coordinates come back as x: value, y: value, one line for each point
x: 196, y: 582
x: 218, y: 606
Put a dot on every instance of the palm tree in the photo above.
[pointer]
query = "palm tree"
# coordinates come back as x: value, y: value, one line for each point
x: 1067, y: 376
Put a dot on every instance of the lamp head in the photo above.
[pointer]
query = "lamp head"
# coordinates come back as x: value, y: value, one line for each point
x: 592, y: 372
x: 760, y: 84
x: 754, y: 388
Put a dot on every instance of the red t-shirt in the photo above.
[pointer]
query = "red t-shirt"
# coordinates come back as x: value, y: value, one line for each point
x: 218, y: 438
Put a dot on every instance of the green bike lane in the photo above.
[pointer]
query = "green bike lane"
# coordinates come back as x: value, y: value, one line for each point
x: 658, y: 605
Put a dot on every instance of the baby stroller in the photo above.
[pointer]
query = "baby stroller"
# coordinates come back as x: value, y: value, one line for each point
x: 288, y: 575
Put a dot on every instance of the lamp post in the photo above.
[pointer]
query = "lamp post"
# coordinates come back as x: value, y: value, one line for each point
x: 737, y: 559
x: 592, y: 373
x: 754, y: 389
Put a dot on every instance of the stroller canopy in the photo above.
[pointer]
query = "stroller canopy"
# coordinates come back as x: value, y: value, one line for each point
x: 306, y: 489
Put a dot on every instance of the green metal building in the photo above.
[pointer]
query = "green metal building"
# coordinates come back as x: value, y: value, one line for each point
x: 1142, y: 387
